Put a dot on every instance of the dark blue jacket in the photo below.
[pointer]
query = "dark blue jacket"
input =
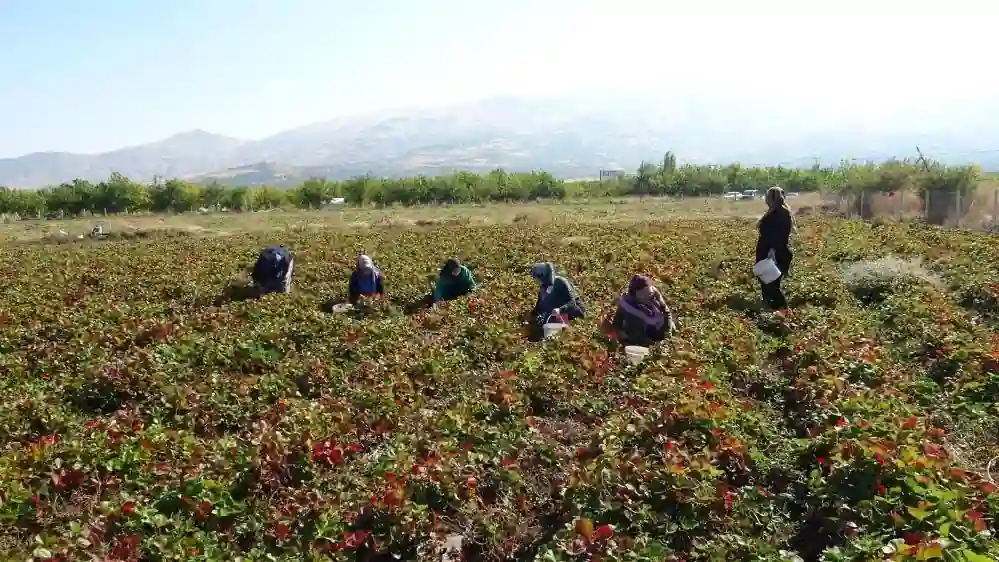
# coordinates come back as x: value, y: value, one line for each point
x: 365, y: 283
x: 272, y: 265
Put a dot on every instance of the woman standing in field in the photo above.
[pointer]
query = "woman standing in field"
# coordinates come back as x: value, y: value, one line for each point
x: 775, y: 228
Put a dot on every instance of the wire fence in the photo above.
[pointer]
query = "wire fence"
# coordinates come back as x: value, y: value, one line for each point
x: 977, y: 210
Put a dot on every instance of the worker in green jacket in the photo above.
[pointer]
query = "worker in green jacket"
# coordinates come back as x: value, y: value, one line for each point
x: 454, y: 281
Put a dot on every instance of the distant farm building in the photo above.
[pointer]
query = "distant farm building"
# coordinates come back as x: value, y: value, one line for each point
x: 611, y: 175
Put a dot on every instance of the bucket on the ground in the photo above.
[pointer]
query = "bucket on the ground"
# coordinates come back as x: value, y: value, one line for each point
x: 636, y: 353
x: 767, y: 270
x: 342, y: 307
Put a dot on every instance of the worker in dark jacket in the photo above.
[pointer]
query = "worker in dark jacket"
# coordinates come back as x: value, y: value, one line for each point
x: 272, y: 272
x: 642, y: 316
x: 557, y: 296
x: 365, y: 281
x: 454, y: 281
x: 775, y: 228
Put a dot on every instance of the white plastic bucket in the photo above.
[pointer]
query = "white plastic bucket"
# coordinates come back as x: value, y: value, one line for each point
x: 635, y: 353
x: 342, y: 307
x: 552, y: 326
x: 551, y: 329
x: 767, y: 270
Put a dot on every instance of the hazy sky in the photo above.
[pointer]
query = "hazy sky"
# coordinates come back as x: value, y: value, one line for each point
x: 94, y: 75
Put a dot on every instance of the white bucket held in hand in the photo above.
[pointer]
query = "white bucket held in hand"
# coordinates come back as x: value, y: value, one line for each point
x: 552, y: 326
x: 767, y: 270
x: 551, y: 329
x: 635, y: 353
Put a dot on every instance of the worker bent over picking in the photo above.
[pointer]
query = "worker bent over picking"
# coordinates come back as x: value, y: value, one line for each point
x: 557, y: 296
x: 272, y: 272
x: 454, y: 281
x: 642, y: 316
x: 365, y: 280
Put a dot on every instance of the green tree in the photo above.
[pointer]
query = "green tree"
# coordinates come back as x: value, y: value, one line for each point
x: 314, y: 192
x: 267, y: 197
x: 71, y: 198
x: 119, y: 194
x: 669, y: 163
x: 545, y: 186
x: 359, y: 190
x: 23, y: 202
x: 214, y: 195
x: 645, y: 179
x: 239, y: 199
x: 175, y: 195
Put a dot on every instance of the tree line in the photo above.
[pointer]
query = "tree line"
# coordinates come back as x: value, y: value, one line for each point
x: 120, y: 194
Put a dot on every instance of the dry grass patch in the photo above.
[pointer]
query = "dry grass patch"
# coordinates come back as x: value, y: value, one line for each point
x: 872, y: 281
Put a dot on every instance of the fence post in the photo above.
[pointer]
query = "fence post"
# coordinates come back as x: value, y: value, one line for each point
x: 957, y: 219
x: 901, y: 203
x: 926, y: 206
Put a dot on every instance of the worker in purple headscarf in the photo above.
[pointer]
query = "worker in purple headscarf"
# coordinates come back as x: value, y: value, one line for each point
x: 642, y: 316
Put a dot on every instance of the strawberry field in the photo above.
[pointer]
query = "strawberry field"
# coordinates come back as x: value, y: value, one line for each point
x: 144, y: 418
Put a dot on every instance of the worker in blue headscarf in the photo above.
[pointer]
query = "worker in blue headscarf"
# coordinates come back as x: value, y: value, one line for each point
x: 556, y: 297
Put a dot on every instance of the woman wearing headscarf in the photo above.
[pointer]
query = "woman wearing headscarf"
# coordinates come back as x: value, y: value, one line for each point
x: 273, y: 269
x: 454, y: 281
x: 556, y: 297
x: 642, y: 316
x: 365, y: 281
x: 774, y: 241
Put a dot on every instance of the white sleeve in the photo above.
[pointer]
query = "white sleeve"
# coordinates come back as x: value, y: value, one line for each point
x: 287, y: 275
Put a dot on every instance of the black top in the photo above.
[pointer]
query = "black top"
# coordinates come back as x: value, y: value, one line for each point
x: 272, y: 265
x: 775, y: 234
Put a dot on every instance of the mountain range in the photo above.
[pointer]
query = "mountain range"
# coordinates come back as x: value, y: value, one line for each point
x: 570, y: 138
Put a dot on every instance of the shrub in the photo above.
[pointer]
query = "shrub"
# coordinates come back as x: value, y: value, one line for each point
x: 872, y: 281
x: 948, y: 192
